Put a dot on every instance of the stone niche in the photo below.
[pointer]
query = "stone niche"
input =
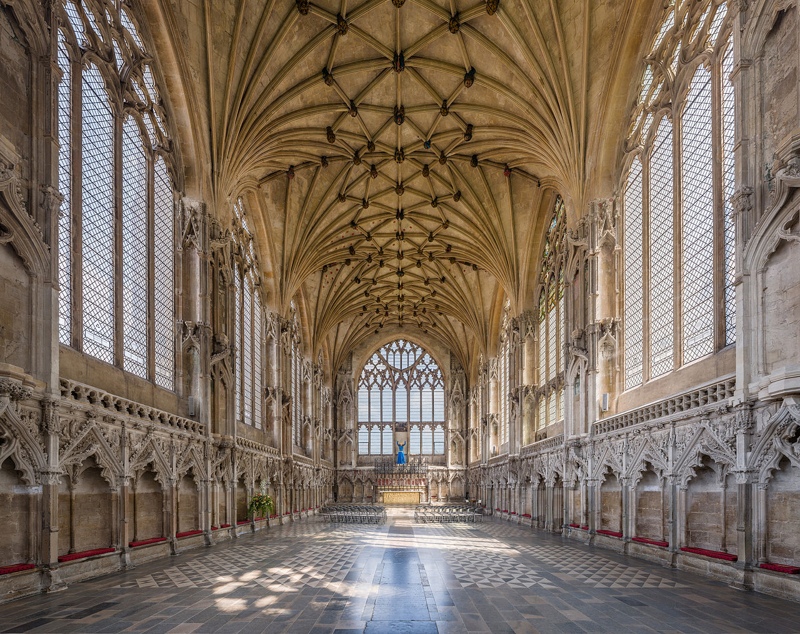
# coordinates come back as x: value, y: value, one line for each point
x: 16, y: 293
x: 782, y: 306
x: 15, y: 501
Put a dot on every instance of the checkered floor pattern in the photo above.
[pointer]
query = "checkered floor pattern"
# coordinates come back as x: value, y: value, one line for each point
x: 500, y: 571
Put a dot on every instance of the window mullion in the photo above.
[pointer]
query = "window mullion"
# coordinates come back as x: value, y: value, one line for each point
x: 76, y: 162
x: 677, y: 236
x: 646, y: 166
x: 151, y: 267
x: 718, y: 157
x: 117, y: 119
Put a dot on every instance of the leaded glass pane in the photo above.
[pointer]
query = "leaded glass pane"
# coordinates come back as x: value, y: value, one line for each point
x: 542, y: 351
x: 375, y: 440
x: 65, y: 187
x: 388, y: 402
x: 634, y: 295
x: 363, y: 440
x: 438, y: 404
x: 238, y: 341
x: 247, y: 352
x: 729, y: 187
x: 258, y: 390
x: 427, y: 440
x: 363, y: 405
x: 438, y: 440
x: 661, y: 257
x: 414, y: 444
x: 551, y: 343
x: 135, y: 269
x: 388, y: 441
x: 401, y: 404
x: 415, y: 405
x: 164, y: 279
x: 427, y: 404
x: 697, y: 246
x: 97, y: 170
x: 375, y: 405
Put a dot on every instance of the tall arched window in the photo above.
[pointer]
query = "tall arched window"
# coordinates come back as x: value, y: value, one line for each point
x: 504, y: 377
x: 116, y: 243
x: 249, y: 323
x: 550, y: 390
x: 401, y: 383
x: 681, y: 242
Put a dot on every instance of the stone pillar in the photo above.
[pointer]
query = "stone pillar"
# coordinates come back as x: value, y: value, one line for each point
x: 171, y: 513
x: 593, y: 495
x: 126, y: 519
x: 72, y: 484
x: 626, y: 511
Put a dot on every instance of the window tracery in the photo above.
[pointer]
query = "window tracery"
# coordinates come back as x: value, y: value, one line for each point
x: 401, y: 383
x: 679, y: 250
x: 550, y: 392
x: 116, y: 230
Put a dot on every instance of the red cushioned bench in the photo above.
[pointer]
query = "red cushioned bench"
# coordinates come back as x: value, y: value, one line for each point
x: 242, y: 522
x: 147, y: 542
x: 713, y: 554
x: 86, y: 553
x: 609, y: 533
x: 189, y: 533
x: 7, y: 570
x: 652, y: 542
x: 787, y: 570
x: 224, y: 525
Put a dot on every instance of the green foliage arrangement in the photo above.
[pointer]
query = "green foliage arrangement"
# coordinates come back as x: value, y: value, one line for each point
x: 261, y: 505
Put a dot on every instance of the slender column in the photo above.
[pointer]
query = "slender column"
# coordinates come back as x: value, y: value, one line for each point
x: 72, y: 485
x: 723, y: 519
x: 626, y: 514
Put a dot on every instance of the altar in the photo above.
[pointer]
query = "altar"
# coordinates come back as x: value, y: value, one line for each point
x: 402, y: 497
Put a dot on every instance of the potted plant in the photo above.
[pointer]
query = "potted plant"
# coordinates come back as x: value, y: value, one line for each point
x: 261, y: 506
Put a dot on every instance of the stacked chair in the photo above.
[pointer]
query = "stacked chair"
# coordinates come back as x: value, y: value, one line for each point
x: 434, y: 514
x: 354, y: 514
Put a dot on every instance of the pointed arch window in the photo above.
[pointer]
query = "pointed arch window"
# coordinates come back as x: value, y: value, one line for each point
x: 550, y: 389
x: 504, y: 377
x: 679, y: 299
x: 248, y: 324
x: 401, y: 383
x: 116, y: 231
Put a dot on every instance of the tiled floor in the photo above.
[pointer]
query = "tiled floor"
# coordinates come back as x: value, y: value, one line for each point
x: 400, y: 578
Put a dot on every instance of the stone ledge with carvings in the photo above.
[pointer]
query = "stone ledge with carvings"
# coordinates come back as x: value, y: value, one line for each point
x: 16, y: 384
x: 674, y: 408
x: 91, y: 396
x: 542, y: 446
x: 252, y: 445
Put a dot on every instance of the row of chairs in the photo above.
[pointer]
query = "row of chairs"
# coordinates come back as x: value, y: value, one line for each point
x: 447, y: 513
x: 354, y: 514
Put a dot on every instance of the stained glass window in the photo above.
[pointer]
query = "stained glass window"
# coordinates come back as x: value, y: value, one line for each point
x: 699, y: 226
x: 118, y: 309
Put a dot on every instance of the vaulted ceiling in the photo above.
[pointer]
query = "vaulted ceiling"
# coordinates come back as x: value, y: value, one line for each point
x: 397, y: 157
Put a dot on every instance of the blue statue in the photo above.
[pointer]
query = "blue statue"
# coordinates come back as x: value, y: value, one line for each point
x: 401, y: 455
